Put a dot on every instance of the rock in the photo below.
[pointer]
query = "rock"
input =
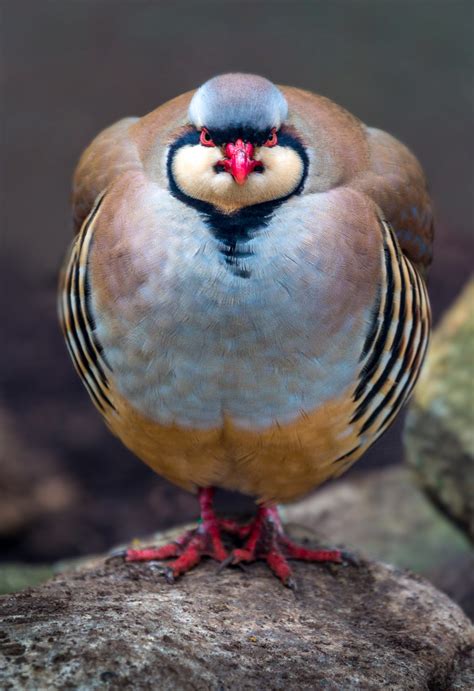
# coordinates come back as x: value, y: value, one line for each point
x: 440, y: 424
x: 463, y: 673
x: 114, y: 625
x: 383, y: 514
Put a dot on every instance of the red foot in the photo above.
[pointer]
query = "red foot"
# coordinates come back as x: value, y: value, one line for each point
x: 264, y: 539
x: 193, y: 545
x: 267, y: 540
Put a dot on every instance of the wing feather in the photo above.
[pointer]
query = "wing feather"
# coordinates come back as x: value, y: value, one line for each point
x: 396, y: 183
x: 110, y: 154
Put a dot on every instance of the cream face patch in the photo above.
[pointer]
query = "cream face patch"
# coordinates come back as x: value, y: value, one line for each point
x: 194, y: 171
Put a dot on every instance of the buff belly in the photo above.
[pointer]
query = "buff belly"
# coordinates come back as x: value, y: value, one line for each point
x: 280, y: 462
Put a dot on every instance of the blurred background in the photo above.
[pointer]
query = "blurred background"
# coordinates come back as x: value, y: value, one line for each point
x: 72, y: 67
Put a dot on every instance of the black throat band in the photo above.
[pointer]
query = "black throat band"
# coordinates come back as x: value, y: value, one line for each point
x: 234, y: 230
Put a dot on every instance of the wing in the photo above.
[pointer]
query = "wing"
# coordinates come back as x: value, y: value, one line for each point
x: 396, y: 183
x: 371, y: 161
x: 111, y: 153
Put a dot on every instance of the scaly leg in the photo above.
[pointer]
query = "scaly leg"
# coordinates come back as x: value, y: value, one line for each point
x: 264, y: 538
x: 193, y: 545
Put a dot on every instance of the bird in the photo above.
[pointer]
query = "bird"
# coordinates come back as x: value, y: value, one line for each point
x: 245, y: 300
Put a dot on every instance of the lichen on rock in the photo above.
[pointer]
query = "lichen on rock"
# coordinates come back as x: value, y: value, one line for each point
x: 439, y: 435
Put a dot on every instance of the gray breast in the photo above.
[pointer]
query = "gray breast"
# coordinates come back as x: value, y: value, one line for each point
x: 204, y: 342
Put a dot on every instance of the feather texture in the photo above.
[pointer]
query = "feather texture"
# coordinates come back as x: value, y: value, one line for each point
x: 268, y: 361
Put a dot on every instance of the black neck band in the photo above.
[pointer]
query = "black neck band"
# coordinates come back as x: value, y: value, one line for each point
x: 235, y: 229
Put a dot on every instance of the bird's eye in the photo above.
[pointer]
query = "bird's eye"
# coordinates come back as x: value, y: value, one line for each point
x: 272, y: 138
x: 205, y: 138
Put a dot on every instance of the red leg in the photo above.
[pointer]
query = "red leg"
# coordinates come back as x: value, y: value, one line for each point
x: 264, y: 539
x: 189, y: 548
x: 267, y: 540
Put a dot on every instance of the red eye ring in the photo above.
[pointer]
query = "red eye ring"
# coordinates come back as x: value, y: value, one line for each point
x: 205, y: 139
x: 272, y: 138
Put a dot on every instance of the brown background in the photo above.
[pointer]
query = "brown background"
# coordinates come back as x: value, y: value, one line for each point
x: 74, y: 66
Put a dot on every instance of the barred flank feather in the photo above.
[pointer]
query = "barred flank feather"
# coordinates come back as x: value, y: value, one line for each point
x: 394, y: 349
x: 76, y: 318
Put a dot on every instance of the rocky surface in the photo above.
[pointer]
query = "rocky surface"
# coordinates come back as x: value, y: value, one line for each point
x: 380, y: 513
x: 440, y: 423
x: 113, y: 625
x: 384, y: 515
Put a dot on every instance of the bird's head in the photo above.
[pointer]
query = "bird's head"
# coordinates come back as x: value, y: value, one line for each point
x: 236, y: 151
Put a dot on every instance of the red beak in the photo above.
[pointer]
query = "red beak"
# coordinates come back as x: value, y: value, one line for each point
x: 239, y: 162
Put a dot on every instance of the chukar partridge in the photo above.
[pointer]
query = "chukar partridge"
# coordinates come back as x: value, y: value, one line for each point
x: 244, y: 299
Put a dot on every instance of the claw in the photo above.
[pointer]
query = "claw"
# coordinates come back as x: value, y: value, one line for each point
x: 169, y: 575
x: 350, y: 558
x: 228, y: 561
x: 117, y: 552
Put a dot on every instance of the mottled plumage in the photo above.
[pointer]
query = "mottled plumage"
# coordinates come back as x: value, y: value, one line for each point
x: 256, y: 336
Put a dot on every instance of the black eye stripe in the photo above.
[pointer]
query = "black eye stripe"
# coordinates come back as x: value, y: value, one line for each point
x: 190, y: 137
x: 247, y: 134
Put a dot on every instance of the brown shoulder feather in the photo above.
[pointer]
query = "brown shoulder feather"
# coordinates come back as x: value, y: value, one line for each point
x: 396, y: 183
x: 111, y: 153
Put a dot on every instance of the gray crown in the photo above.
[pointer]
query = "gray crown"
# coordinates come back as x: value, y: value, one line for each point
x: 238, y: 100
